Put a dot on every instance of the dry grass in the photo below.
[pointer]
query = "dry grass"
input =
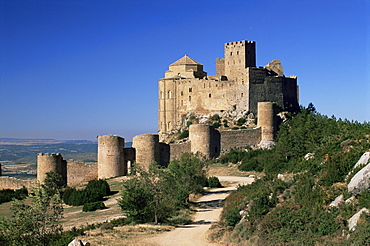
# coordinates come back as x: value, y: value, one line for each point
x: 124, y: 235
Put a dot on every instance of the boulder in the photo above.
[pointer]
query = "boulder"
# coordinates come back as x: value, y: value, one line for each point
x: 364, y: 159
x: 352, y: 222
x: 77, y: 242
x: 360, y: 181
x: 337, y: 201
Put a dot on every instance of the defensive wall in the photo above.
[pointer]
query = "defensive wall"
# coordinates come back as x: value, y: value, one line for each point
x: 14, y: 183
x: 79, y: 172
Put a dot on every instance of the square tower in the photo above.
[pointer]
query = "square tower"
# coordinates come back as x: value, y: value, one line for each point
x: 238, y: 56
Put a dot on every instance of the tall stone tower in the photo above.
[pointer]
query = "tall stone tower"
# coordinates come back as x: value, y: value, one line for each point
x: 266, y: 120
x: 147, y: 149
x: 204, y: 139
x: 51, y: 163
x: 111, y: 156
x: 238, y: 56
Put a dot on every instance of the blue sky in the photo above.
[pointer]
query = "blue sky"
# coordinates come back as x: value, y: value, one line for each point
x: 78, y: 69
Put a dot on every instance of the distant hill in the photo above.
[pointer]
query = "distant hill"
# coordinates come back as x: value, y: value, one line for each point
x: 29, y: 141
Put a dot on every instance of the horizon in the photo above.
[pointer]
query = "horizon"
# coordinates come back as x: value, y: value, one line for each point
x: 75, y: 69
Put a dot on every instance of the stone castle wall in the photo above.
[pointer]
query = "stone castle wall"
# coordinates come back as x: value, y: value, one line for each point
x: 178, y: 149
x: 239, y: 139
x: 15, y: 184
x: 79, y: 172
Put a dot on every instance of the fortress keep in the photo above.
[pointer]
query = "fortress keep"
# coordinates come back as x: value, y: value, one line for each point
x: 238, y: 85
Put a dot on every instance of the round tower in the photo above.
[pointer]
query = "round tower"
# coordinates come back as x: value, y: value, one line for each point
x: 266, y: 120
x: 50, y: 163
x: 200, y: 136
x: 110, y: 156
x: 147, y: 149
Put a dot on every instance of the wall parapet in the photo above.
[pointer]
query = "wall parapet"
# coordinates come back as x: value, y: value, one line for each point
x: 14, y: 183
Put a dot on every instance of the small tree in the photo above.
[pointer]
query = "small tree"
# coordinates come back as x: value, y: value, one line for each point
x: 189, y: 174
x: 36, y: 223
x: 149, y: 196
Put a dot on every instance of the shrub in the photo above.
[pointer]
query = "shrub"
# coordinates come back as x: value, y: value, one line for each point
x: 184, y: 134
x: 215, y: 117
x: 7, y: 195
x: 235, y: 128
x: 95, y: 191
x: 241, y: 121
x: 213, y: 182
x: 92, y: 206
x: 216, y: 125
x: 364, y: 199
x: 100, y: 186
x: 232, y: 217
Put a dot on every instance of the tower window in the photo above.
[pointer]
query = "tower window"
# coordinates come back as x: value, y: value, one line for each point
x: 190, y: 89
x: 241, y: 95
x: 189, y: 98
x: 182, y: 93
x: 209, y: 95
x: 169, y: 94
x: 231, y: 53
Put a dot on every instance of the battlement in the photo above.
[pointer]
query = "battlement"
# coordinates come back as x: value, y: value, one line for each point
x: 49, y: 154
x: 240, y: 42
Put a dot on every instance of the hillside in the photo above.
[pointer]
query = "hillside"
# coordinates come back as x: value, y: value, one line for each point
x: 304, y: 174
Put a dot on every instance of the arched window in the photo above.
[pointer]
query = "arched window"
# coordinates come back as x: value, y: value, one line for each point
x: 169, y: 94
x: 161, y: 95
x: 169, y: 125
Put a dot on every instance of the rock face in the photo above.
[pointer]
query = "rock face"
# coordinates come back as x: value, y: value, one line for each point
x: 364, y: 159
x: 77, y: 242
x: 352, y: 222
x: 337, y: 201
x: 360, y: 182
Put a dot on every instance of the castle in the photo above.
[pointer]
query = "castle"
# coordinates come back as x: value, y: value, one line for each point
x: 238, y: 86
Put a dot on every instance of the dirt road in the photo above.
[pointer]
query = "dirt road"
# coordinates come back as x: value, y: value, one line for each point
x: 209, y: 208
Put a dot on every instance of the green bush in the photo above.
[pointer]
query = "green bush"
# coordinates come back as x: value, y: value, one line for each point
x: 95, y: 191
x: 184, y: 134
x: 235, y: 128
x: 7, y: 195
x: 241, y: 121
x: 100, y: 186
x: 92, y: 206
x: 213, y: 182
x: 216, y: 125
x: 215, y: 117
x: 364, y: 199
x: 232, y: 217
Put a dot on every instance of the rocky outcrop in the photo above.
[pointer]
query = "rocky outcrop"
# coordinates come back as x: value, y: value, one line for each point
x: 364, y: 159
x: 352, y: 222
x: 360, y: 182
x: 337, y: 201
x: 77, y: 242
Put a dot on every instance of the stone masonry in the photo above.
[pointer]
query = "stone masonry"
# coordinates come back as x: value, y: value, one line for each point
x: 238, y: 85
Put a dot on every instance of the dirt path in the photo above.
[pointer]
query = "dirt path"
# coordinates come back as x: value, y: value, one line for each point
x: 208, y: 211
